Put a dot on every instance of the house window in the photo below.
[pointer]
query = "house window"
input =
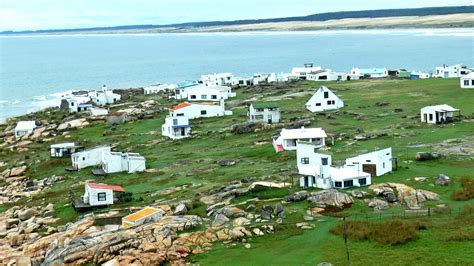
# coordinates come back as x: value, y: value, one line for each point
x: 72, y: 104
x: 204, y: 97
x: 83, y: 158
x: 383, y: 165
x: 181, y: 114
x: 175, y: 121
x: 472, y: 82
x: 329, y: 102
x: 338, y: 184
x: 193, y: 96
x: 326, y: 94
x: 368, y: 161
x: 305, y: 160
x: 203, y: 112
x: 348, y: 183
x: 466, y: 83
x: 213, y: 97
x: 363, y: 181
x: 318, y: 104
x: 324, y: 161
x: 431, y: 117
x: 101, y: 196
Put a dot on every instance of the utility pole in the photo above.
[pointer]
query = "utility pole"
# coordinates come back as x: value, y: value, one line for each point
x: 344, y: 224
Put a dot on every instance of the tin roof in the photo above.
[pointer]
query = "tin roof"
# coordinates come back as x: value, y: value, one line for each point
x: 143, y: 213
x: 105, y: 186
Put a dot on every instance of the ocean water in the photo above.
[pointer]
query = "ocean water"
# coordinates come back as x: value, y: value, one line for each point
x: 36, y: 70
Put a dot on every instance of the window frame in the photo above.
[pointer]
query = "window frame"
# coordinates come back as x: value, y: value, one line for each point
x: 100, y: 198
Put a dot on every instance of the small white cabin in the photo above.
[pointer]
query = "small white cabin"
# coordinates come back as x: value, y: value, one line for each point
x: 115, y: 162
x: 24, y: 127
x: 455, y: 71
x: 302, y: 72
x: 315, y: 170
x: 328, y: 75
x: 104, y: 97
x: 159, y: 88
x: 141, y: 216
x: 89, y: 157
x: 176, y: 127
x: 61, y: 150
x: 100, y: 194
x: 439, y: 114
x: 218, y: 79
x: 323, y: 100
x: 201, y: 109
x: 213, y: 93
x: 467, y: 81
x: 376, y: 163
x: 370, y: 72
x: 264, y: 112
x: 289, y: 137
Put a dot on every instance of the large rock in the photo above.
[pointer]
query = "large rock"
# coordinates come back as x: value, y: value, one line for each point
x: 241, y: 221
x: 27, y: 214
x: 412, y: 198
x: 330, y: 198
x: 297, y: 196
x: 219, y: 220
x: 426, y: 156
x: 17, y: 171
x: 378, y: 204
x: 180, y: 209
x: 279, y: 211
x: 443, y: 180
x: 77, y: 123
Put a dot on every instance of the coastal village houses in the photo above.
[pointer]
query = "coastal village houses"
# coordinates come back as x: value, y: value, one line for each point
x: 104, y: 97
x: 323, y: 100
x: 210, y: 93
x: 328, y: 75
x: 439, y: 114
x: 420, y: 75
x: 89, y: 157
x: 61, y: 150
x: 218, y: 79
x: 198, y: 110
x: 181, y: 92
x: 264, y: 112
x: 455, y: 71
x: 375, y: 163
x: 75, y: 104
x: 115, y: 162
x: 141, y: 216
x: 467, y: 81
x: 159, y: 88
x: 98, y: 194
x: 289, y: 137
x: 315, y: 170
x: 99, y: 111
x: 370, y: 72
x: 302, y: 72
x: 176, y: 127
x: 24, y: 127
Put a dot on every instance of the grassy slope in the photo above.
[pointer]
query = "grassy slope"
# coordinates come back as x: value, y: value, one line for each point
x: 192, y: 162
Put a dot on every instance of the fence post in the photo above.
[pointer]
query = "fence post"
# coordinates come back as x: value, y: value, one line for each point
x: 429, y: 212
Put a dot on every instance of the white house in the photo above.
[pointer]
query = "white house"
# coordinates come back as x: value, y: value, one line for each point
x: 467, y: 81
x: 370, y: 72
x: 176, y: 127
x: 420, y: 75
x: 212, y: 93
x: 63, y: 149
x: 262, y: 77
x: 181, y: 92
x: 324, y: 99
x: 100, y: 194
x: 89, y: 157
x: 376, y: 163
x: 103, y: 97
x: 141, y: 216
x: 455, y: 71
x: 439, y: 114
x: 197, y: 110
x: 266, y: 112
x: 114, y: 162
x: 289, y: 137
x: 98, y: 111
x: 218, y: 79
x: 315, y: 170
x: 327, y: 75
x: 302, y: 72
x: 74, y: 104
x: 24, y: 127
x: 158, y: 88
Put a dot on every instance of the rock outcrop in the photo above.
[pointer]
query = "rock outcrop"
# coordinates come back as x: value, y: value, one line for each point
x: 330, y: 198
x: 403, y: 194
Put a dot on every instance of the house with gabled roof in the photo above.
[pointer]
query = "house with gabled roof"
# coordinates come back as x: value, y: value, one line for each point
x: 439, y: 114
x: 264, y: 112
x: 213, y: 93
x: 323, y: 100
x: 99, y: 194
x: 200, y: 109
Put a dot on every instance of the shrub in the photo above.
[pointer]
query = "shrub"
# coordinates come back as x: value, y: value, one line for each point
x: 393, y: 232
x: 467, y: 190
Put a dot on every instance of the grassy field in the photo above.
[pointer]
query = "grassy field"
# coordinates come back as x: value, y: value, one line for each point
x: 191, y: 164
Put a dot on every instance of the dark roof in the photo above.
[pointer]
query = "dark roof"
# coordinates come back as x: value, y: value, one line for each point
x: 263, y: 105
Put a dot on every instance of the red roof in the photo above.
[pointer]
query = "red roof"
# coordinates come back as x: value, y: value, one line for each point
x: 179, y: 106
x: 105, y: 186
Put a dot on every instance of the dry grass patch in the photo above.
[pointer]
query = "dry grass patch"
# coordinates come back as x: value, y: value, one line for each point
x: 467, y: 190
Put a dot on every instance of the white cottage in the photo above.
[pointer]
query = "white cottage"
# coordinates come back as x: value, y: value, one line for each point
x: 198, y: 110
x: 104, y: 97
x: 100, y: 194
x: 115, y: 162
x: 439, y: 114
x: 176, y: 127
x: 75, y: 104
x: 89, y: 157
x: 467, y: 81
x: 376, y: 163
x: 181, y: 92
x: 315, y: 170
x: 218, y: 79
x: 24, y: 127
x: 370, y: 72
x: 455, y: 71
x: 323, y: 100
x: 141, y: 216
x: 63, y: 149
x: 289, y: 137
x: 302, y: 72
x: 327, y: 75
x: 159, y: 88
x: 264, y: 112
x: 211, y: 93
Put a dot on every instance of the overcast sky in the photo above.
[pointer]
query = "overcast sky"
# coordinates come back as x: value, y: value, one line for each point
x: 60, y: 14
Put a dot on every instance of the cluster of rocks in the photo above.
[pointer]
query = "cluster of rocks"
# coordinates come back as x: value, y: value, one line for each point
x: 396, y: 193
x: 44, y: 132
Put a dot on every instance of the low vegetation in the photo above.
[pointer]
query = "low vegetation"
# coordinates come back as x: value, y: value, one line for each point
x: 467, y: 190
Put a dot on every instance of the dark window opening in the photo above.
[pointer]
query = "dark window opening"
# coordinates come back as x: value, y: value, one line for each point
x: 101, y: 196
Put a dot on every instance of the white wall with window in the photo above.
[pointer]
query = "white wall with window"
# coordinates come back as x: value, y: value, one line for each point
x: 323, y: 100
